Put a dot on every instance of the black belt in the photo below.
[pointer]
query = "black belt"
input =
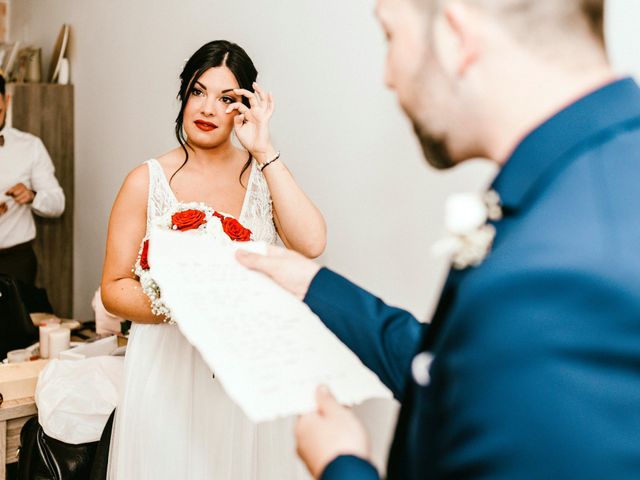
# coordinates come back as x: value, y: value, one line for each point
x: 21, y: 247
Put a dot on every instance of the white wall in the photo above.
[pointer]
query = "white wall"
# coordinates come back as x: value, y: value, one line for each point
x: 623, y: 34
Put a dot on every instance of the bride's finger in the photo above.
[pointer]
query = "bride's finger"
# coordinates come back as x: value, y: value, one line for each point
x: 262, y: 93
x: 254, y: 101
x: 239, y: 120
x: 267, y: 98
x: 259, y: 92
x: 240, y: 107
x: 271, y: 103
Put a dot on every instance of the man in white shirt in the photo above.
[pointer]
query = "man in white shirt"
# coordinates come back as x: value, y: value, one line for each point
x: 27, y: 184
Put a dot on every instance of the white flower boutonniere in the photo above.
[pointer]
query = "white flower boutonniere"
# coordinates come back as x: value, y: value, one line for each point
x: 469, y: 236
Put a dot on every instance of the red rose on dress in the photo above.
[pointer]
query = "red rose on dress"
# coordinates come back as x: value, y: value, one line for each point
x: 235, y: 230
x: 144, y: 256
x: 188, y: 219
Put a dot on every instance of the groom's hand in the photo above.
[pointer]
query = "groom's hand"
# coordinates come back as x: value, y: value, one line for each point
x: 289, y: 269
x: 328, y: 433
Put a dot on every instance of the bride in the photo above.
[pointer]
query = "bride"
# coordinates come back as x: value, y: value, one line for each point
x: 174, y: 420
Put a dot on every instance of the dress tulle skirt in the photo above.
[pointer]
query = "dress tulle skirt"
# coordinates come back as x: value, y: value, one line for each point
x: 175, y: 421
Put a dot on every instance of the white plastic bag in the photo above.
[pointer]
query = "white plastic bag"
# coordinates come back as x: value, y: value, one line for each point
x: 76, y: 397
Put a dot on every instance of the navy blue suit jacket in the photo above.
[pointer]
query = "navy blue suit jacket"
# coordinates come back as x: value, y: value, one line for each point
x: 536, y: 352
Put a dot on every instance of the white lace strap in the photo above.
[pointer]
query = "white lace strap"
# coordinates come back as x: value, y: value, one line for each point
x: 160, y: 195
x: 258, y: 213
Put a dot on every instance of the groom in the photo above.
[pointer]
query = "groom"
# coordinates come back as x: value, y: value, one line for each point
x: 530, y: 368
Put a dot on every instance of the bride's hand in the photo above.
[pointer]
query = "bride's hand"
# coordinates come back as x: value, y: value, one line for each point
x: 252, y: 124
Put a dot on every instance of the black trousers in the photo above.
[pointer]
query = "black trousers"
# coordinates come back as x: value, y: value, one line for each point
x: 20, y: 262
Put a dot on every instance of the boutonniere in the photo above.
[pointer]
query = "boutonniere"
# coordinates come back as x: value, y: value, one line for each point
x: 469, y: 236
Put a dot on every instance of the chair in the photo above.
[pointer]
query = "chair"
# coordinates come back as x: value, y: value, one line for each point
x: 16, y: 328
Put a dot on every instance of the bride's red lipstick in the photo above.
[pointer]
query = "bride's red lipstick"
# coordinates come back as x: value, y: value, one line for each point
x: 205, y: 126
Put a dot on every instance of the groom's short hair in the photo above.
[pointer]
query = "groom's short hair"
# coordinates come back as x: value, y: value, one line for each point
x: 541, y: 22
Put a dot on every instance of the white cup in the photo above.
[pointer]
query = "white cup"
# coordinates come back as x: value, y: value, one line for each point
x: 18, y: 356
x: 59, y: 341
x: 45, y: 331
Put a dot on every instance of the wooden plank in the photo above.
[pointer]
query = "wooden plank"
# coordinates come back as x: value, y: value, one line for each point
x: 14, y: 427
x: 3, y: 450
x: 46, y: 110
x: 22, y: 407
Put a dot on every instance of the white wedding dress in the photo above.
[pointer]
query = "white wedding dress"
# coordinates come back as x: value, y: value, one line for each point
x: 174, y: 421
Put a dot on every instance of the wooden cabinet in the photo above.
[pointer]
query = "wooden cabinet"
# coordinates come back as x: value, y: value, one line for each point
x: 46, y: 110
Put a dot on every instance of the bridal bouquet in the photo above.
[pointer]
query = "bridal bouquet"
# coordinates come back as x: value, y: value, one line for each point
x: 193, y: 219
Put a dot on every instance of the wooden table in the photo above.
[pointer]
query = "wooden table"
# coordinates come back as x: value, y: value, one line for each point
x: 13, y: 415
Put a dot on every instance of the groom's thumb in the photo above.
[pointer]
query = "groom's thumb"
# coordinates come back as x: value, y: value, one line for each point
x: 327, y: 403
x: 250, y: 259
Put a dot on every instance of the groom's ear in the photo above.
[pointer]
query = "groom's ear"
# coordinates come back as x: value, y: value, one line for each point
x: 459, y: 37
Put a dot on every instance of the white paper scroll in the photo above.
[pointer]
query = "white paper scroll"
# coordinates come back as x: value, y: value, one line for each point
x: 266, y: 347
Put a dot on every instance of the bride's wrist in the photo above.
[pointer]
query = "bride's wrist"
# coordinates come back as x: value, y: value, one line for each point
x: 263, y: 156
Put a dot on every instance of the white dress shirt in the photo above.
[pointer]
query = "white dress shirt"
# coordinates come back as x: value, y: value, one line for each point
x: 24, y: 159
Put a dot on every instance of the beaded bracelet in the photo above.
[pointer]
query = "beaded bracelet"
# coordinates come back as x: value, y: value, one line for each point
x: 266, y: 164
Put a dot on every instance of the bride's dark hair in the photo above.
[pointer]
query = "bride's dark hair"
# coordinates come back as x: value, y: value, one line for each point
x: 219, y: 53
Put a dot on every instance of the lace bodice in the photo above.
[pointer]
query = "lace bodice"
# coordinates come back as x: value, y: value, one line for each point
x: 256, y: 213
